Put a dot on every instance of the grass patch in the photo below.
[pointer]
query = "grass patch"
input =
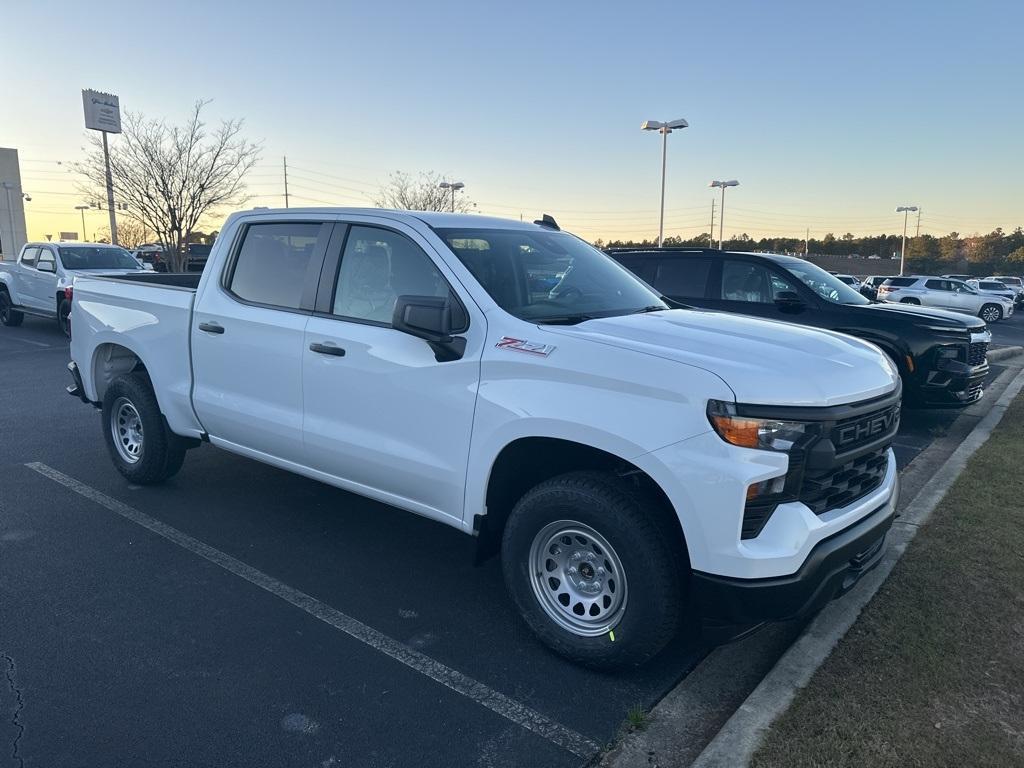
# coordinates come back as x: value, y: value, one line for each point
x: 932, y: 673
x: 637, y: 718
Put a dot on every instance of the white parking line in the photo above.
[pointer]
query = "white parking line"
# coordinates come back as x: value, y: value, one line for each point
x: 499, y: 703
x: 28, y: 341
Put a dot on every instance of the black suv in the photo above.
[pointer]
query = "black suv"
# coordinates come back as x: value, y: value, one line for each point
x: 940, y: 355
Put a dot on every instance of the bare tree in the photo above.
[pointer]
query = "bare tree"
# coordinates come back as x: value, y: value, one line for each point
x: 420, y: 193
x: 172, y: 176
x: 131, y: 233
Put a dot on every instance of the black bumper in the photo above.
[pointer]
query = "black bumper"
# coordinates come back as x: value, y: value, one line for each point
x: 831, y: 569
x: 957, y: 386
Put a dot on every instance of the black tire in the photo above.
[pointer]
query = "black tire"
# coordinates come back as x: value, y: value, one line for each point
x: 162, y: 452
x: 991, y: 313
x: 910, y: 301
x: 646, y: 544
x: 8, y: 315
x: 64, y: 317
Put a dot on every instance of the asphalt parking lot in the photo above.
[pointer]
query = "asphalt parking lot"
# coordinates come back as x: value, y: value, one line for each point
x: 240, y: 615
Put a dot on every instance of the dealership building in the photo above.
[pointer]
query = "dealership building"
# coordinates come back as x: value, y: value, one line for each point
x: 12, y: 205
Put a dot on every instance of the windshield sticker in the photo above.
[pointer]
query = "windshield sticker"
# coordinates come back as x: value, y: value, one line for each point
x: 521, y: 345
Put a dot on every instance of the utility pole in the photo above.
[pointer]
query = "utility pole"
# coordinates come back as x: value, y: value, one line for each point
x: 285, y: 181
x: 807, y: 240
x: 918, y: 233
x: 711, y: 232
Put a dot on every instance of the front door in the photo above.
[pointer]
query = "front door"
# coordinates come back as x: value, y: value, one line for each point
x: 247, y: 338
x: 751, y: 288
x: 382, y: 414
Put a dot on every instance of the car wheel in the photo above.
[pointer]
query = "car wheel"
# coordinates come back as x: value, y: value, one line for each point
x: 991, y: 313
x: 595, y: 570
x: 909, y: 300
x: 143, y: 449
x: 64, y: 317
x: 8, y: 315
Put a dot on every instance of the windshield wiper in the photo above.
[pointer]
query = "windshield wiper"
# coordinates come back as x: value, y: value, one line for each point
x: 651, y: 308
x: 563, y: 319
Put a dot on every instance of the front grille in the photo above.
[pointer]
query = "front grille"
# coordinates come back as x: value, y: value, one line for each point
x: 839, y: 486
x: 860, y: 430
x: 976, y: 353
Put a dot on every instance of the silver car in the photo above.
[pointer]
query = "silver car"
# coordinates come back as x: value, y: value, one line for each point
x: 945, y: 293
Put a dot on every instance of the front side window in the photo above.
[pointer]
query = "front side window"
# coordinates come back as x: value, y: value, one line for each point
x: 84, y: 257
x: 46, y: 257
x: 752, y: 283
x: 377, y: 267
x: 273, y: 262
x: 548, y: 277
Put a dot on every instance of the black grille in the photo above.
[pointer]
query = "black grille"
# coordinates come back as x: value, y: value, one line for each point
x: 846, y: 483
x: 861, y: 430
x: 976, y: 353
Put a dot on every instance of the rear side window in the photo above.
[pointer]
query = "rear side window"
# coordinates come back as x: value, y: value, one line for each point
x: 938, y: 285
x: 687, y: 278
x: 900, y: 282
x: 274, y: 261
x: 28, y: 258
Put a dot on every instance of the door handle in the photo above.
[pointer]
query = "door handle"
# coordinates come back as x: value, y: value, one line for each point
x: 211, y: 327
x: 327, y: 349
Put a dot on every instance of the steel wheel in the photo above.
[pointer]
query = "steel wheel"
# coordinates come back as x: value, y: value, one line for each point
x: 577, y: 578
x: 126, y: 429
x: 991, y: 313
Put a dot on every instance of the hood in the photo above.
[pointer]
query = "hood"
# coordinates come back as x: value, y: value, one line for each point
x: 931, y: 315
x: 764, y: 362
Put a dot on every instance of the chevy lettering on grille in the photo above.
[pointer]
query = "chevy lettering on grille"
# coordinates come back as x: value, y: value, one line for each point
x: 863, y: 430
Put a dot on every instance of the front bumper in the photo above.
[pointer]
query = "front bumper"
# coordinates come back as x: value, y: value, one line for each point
x: 831, y: 569
x: 955, y: 383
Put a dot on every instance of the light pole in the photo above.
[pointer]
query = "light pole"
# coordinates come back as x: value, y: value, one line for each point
x: 721, y: 210
x: 10, y: 213
x: 453, y: 186
x: 664, y: 129
x: 82, y: 209
x: 906, y: 210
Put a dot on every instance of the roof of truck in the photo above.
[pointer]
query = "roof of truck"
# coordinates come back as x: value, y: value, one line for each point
x: 430, y: 218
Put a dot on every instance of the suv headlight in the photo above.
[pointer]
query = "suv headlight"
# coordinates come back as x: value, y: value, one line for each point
x: 747, y: 432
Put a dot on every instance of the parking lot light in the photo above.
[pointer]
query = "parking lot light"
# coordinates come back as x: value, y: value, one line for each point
x: 721, y: 212
x: 454, y: 186
x: 906, y: 210
x: 664, y: 129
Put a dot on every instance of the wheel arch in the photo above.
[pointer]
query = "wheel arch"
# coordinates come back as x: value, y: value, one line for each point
x: 110, y: 360
x: 527, y: 461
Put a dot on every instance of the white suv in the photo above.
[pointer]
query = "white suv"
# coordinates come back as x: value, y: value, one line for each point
x: 944, y: 293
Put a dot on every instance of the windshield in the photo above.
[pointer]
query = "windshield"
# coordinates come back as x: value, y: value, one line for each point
x: 1014, y: 281
x: 549, y: 277
x: 829, y: 287
x: 95, y: 257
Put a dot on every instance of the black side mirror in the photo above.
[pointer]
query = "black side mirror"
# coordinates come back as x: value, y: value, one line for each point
x: 789, y: 300
x: 435, y: 320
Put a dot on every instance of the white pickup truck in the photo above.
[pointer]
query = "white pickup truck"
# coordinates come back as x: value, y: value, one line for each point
x: 639, y: 468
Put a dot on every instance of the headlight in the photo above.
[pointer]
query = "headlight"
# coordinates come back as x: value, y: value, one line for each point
x: 949, y: 353
x: 747, y: 432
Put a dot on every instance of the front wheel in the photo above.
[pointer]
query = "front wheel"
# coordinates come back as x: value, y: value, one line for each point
x: 594, y: 570
x: 64, y: 317
x: 143, y: 449
x: 991, y: 313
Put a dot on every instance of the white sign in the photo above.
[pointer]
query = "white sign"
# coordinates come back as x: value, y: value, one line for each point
x: 66, y: 236
x: 102, y: 111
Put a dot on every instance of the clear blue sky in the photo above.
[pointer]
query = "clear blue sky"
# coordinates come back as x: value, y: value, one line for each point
x: 829, y: 114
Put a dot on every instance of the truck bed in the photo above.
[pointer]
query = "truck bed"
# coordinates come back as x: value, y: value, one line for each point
x: 187, y: 280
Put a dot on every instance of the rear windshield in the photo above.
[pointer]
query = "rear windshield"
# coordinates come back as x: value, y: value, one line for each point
x: 900, y: 282
x: 94, y: 257
x: 1015, y: 281
x: 989, y: 285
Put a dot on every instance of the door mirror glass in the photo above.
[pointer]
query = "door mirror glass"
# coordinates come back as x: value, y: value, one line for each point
x: 46, y: 266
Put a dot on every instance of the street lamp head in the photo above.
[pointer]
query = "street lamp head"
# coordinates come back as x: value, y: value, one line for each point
x: 81, y: 207
x: 724, y: 184
x: 657, y: 125
x: 28, y: 197
x: 457, y: 185
x: 444, y: 185
x: 903, y: 208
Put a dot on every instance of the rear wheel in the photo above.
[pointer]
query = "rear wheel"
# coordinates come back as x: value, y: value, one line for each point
x: 141, y: 446
x: 910, y: 301
x: 991, y: 313
x: 594, y: 571
x: 8, y: 315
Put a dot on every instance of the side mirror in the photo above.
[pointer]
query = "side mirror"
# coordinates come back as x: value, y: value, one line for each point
x: 789, y: 300
x: 46, y: 266
x: 433, y: 319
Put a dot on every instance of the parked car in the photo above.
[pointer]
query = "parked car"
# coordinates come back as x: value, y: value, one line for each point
x: 635, y: 465
x: 1013, y: 282
x: 944, y: 293
x: 196, y: 255
x: 940, y: 355
x: 850, y: 280
x: 40, y: 281
x: 993, y: 288
x: 153, y: 254
x: 964, y: 278
x: 869, y: 286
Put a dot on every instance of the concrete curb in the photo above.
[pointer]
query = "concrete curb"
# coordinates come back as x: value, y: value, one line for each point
x: 1001, y: 353
x: 736, y: 742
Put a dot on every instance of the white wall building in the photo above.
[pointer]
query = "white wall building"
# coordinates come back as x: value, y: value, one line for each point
x: 12, y: 205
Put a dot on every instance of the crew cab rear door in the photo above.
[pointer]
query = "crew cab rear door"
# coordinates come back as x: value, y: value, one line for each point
x: 383, y: 413
x: 247, y: 336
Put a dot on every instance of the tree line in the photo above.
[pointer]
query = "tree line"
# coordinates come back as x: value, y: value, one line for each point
x: 994, y: 253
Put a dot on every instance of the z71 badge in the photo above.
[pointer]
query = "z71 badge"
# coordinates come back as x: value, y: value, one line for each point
x: 521, y: 345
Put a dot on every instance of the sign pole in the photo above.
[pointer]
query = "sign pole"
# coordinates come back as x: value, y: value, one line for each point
x: 110, y: 191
